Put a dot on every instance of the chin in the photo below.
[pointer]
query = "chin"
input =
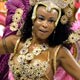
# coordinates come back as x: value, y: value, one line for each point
x: 42, y: 37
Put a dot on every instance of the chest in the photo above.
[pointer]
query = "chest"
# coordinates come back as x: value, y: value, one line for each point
x: 32, y: 62
x: 36, y: 67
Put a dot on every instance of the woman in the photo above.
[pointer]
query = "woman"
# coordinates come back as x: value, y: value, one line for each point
x: 40, y: 50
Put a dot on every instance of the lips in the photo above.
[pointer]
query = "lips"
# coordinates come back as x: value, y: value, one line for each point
x: 44, y: 31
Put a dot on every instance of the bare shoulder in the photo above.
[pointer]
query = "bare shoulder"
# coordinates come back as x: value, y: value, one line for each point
x: 64, y: 54
x: 12, y: 39
x: 7, y: 44
x: 63, y: 51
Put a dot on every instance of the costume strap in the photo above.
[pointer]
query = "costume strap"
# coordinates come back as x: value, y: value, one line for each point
x: 75, y: 50
x: 16, y: 46
x: 55, y: 55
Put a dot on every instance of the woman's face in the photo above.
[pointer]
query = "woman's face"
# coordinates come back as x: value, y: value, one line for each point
x: 44, y: 24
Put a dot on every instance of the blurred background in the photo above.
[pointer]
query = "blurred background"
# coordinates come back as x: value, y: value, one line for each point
x: 3, y: 11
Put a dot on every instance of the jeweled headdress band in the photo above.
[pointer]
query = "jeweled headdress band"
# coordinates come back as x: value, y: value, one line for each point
x: 64, y: 3
x: 49, y: 6
x: 61, y: 3
x: 67, y: 6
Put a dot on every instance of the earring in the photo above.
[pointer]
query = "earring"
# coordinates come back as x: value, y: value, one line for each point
x: 32, y: 27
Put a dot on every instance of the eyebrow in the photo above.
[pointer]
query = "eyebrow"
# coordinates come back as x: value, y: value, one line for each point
x: 52, y: 18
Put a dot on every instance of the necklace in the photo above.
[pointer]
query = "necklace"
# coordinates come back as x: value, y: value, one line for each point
x: 34, y: 70
x: 26, y: 55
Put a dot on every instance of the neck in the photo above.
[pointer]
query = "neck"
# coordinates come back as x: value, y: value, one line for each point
x: 36, y: 40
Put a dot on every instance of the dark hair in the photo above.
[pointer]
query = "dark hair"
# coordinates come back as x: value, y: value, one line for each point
x: 26, y: 30
x: 58, y: 36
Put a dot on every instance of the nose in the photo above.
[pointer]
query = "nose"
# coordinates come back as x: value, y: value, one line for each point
x: 45, y: 24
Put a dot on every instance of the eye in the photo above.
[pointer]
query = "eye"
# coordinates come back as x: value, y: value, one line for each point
x: 51, y: 20
x: 41, y: 17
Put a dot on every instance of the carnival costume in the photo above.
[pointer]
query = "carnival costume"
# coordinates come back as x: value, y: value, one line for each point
x: 35, y: 69
x: 12, y: 23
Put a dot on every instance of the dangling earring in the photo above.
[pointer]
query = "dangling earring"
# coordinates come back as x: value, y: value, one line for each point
x: 32, y: 27
x: 32, y: 30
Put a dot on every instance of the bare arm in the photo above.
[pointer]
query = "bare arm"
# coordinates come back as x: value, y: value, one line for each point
x: 69, y: 63
x: 8, y: 42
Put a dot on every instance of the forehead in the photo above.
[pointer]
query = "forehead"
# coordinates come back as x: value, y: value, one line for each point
x: 44, y: 10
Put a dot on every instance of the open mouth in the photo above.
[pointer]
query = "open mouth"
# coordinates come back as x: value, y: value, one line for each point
x: 43, y: 31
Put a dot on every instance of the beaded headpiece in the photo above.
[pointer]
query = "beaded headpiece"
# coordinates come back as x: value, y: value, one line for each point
x: 49, y: 6
x: 67, y: 6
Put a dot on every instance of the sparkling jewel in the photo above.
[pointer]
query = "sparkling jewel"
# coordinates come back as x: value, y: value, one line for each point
x: 30, y: 55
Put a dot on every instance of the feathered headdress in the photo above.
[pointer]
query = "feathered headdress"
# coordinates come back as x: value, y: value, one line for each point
x: 16, y: 14
x: 67, y: 7
x: 75, y: 36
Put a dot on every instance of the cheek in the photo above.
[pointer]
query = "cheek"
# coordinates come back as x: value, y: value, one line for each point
x: 36, y: 23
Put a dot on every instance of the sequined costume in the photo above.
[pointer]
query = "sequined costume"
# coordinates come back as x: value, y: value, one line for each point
x: 29, y: 68
x: 8, y: 29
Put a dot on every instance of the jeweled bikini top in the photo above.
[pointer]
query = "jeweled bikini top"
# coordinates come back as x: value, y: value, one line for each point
x: 26, y: 67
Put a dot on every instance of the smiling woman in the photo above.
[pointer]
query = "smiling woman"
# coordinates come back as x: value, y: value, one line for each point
x: 44, y: 22
x: 37, y: 53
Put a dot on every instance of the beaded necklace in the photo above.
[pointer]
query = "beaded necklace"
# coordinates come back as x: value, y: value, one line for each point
x: 34, y: 70
x: 26, y: 55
